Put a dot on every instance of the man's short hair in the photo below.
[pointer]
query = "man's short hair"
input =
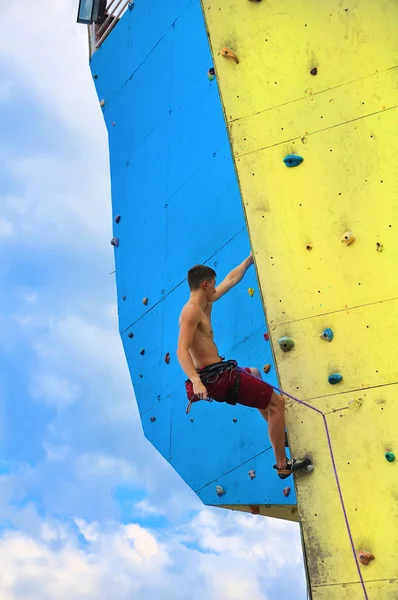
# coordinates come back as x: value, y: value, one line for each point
x: 198, y: 274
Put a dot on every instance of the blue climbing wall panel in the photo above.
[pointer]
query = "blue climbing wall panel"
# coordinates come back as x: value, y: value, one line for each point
x: 175, y: 189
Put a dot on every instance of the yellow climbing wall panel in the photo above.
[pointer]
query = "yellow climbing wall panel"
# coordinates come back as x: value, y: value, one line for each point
x: 343, y: 120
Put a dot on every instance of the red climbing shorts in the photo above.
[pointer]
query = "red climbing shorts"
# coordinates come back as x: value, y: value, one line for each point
x: 227, y: 382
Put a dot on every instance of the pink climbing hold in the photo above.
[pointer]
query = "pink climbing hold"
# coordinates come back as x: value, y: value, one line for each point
x: 266, y: 337
x: 115, y: 242
x: 117, y: 219
x: 286, y: 491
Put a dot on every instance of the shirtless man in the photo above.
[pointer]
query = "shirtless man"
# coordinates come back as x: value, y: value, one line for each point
x: 211, y: 377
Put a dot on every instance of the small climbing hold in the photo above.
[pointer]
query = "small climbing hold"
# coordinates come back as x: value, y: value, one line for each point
x: 153, y: 419
x: 130, y: 334
x: 355, y: 403
x: 250, y: 291
x: 348, y: 238
x: 266, y: 337
x: 141, y: 376
x: 228, y: 53
x: 286, y: 491
x: 220, y: 490
x: 95, y: 76
x: 115, y: 242
x: 327, y: 334
x: 117, y: 219
x: 191, y: 420
x: 365, y: 557
x: 308, y: 247
x: 314, y: 71
x: 123, y: 297
x: 145, y: 301
x: 254, y: 509
x: 379, y: 247
x: 235, y: 420
x: 335, y: 378
x: 113, y: 123
x: 102, y: 103
x: 390, y: 456
x: 167, y: 358
x: 292, y: 160
x: 211, y: 74
x: 142, y: 351
x: 286, y: 343
x: 267, y: 368
x: 252, y: 474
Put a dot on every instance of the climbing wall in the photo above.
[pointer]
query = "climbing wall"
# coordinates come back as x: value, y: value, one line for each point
x: 176, y: 203
x: 319, y: 81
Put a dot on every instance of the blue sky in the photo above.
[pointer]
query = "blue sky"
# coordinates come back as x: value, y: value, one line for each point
x: 88, y: 510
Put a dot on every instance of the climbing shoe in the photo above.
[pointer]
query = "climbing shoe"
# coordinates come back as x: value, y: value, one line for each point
x: 292, y: 465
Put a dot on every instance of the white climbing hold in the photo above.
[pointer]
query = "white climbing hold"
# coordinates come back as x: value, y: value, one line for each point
x: 220, y: 490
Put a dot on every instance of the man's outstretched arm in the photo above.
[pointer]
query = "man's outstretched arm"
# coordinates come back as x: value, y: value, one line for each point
x: 234, y: 277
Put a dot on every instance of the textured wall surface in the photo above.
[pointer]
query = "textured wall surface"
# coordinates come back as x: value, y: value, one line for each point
x: 342, y: 119
x: 175, y: 189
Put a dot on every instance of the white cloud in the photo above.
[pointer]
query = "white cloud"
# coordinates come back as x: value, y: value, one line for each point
x: 6, y: 228
x: 56, y: 70
x: 121, y: 562
x: 59, y: 196
x: 5, y: 90
x: 54, y: 391
x: 103, y: 466
x: 55, y: 452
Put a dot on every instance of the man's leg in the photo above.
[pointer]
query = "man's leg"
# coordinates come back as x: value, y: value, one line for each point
x: 276, y: 428
x: 274, y: 414
x: 263, y: 411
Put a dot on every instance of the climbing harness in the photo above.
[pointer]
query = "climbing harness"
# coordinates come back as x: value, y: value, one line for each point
x: 212, y: 375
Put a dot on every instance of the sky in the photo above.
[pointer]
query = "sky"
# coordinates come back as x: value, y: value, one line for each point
x: 88, y: 509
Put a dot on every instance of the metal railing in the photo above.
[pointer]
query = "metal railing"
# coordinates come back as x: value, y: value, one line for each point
x: 98, y: 33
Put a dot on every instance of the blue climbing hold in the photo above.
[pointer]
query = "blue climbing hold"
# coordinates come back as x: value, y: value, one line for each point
x: 292, y: 160
x: 336, y: 378
x: 327, y: 334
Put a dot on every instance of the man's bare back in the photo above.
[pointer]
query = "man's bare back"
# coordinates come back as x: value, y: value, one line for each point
x: 203, y: 349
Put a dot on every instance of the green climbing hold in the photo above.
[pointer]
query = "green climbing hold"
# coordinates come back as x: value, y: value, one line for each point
x: 211, y: 74
x: 390, y: 456
x: 286, y: 344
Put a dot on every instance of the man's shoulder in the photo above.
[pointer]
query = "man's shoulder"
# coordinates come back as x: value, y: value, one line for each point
x: 190, y: 310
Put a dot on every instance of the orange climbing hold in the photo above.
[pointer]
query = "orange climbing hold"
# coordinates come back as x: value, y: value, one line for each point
x: 365, y: 557
x: 228, y: 53
x: 267, y: 368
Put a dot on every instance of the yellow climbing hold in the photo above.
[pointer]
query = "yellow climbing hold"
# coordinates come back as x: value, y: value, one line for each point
x: 250, y: 291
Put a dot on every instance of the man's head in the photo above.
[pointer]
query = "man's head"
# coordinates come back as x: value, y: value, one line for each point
x: 202, y: 278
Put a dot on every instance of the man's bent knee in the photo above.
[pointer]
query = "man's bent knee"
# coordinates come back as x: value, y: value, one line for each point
x: 277, y: 402
x: 255, y: 372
